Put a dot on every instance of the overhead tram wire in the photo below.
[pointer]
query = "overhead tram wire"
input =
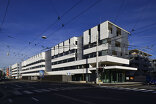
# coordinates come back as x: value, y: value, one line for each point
x: 57, y: 20
x: 82, y: 12
x: 54, y: 23
x: 91, y: 6
x: 119, y: 11
x: 139, y: 18
x: 75, y: 17
x: 138, y: 32
x: 5, y: 14
x: 53, y: 6
x: 6, y: 44
x: 146, y: 26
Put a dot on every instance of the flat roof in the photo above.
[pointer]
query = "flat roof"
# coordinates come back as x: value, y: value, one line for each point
x: 118, y: 27
x: 137, y: 50
x: 120, y: 67
x: 116, y: 67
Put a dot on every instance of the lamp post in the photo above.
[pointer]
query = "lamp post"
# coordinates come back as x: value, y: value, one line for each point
x: 87, y: 66
x: 97, y: 74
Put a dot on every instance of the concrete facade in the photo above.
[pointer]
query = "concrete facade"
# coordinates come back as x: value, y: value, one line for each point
x: 112, y: 49
x: 15, y: 71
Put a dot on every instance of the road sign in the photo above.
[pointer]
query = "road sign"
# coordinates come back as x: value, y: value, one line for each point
x: 41, y: 73
x: 68, y: 73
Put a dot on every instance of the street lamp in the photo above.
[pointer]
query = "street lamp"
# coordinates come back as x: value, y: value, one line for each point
x: 97, y: 74
x: 44, y: 37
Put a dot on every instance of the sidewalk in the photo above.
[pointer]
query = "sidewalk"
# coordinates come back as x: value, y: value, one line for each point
x: 150, y: 87
x: 138, y: 85
x: 123, y: 84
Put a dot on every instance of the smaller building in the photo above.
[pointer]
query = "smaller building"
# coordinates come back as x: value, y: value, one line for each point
x: 7, y: 72
x: 31, y: 68
x: 154, y: 65
x: 2, y: 74
x: 16, y: 71
x: 140, y: 60
x: 153, y: 74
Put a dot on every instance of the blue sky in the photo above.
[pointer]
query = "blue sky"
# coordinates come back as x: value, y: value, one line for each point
x: 27, y: 19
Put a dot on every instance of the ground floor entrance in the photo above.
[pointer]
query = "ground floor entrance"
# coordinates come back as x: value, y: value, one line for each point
x: 112, y: 76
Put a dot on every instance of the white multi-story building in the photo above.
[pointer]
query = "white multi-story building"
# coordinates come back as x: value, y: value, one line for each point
x: 15, y: 71
x: 77, y: 56
x: 75, y: 59
x: 31, y: 67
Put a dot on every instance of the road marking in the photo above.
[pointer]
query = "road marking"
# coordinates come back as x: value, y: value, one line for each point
x: 134, y: 89
x: 104, y: 86
x: 38, y: 91
x: 17, y: 92
x: 30, y: 87
x: 68, y: 88
x: 52, y: 89
x: 151, y: 90
x: 130, y: 89
x: 10, y: 100
x: 120, y: 88
x: 147, y: 90
x: 74, y: 99
x: 142, y: 89
x: 45, y: 90
x: 18, y: 86
x: 34, y: 99
x: 127, y: 88
x: 27, y: 92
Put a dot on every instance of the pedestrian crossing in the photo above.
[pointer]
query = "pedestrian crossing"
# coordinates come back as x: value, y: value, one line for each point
x: 35, y: 91
x: 28, y: 92
x: 130, y: 89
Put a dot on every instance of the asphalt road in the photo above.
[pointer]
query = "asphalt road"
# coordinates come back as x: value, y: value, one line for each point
x: 19, y: 92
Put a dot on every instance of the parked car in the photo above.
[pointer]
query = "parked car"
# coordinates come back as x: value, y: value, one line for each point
x: 152, y: 82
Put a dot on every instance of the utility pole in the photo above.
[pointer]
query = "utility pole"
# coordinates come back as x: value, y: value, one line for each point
x: 87, y: 66
x: 97, y: 74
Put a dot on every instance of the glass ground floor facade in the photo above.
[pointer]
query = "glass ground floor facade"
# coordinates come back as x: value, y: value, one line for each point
x: 105, y: 76
x: 112, y: 76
